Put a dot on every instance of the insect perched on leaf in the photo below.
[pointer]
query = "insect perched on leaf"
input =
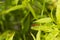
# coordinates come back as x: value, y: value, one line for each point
x: 35, y: 25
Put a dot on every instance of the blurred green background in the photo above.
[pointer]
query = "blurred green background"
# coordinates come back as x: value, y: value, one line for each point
x: 29, y: 20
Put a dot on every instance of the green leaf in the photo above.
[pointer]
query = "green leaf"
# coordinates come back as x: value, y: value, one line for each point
x: 32, y: 11
x: 44, y: 20
x: 11, y: 36
x: 58, y: 12
x: 12, y: 9
x: 33, y: 36
x: 44, y: 28
x: 53, y: 34
x: 7, y: 35
x: 26, y: 23
x: 38, y: 36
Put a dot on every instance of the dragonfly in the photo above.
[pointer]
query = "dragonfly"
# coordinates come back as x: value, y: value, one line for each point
x: 35, y: 24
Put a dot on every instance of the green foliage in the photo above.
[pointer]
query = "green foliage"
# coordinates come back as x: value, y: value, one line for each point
x: 58, y: 12
x: 44, y: 20
x: 29, y: 20
x: 8, y: 35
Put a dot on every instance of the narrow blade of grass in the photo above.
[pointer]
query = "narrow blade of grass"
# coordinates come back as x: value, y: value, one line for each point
x: 32, y: 11
x: 38, y: 35
x: 12, y: 9
x: 33, y: 36
x: 58, y: 12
